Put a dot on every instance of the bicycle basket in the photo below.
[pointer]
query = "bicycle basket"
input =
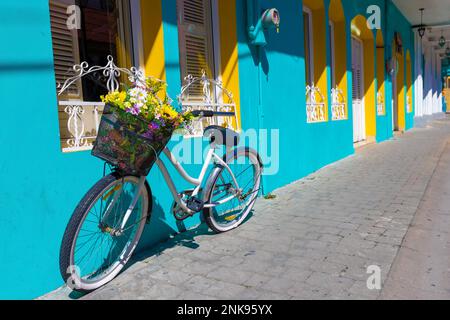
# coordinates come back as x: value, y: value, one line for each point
x: 127, y: 144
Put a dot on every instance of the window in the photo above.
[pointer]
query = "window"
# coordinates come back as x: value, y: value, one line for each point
x: 105, y: 29
x: 332, y: 51
x: 198, y: 28
x: 308, y: 45
x: 196, y: 31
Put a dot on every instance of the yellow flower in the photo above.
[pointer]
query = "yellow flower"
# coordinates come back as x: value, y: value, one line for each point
x: 122, y: 96
x: 168, y: 112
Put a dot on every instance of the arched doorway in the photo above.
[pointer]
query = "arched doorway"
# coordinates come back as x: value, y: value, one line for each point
x: 398, y: 85
x: 409, y: 88
x: 381, y: 97
x: 363, y: 76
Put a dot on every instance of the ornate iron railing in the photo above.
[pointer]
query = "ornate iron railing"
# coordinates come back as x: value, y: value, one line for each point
x: 315, y: 105
x: 202, y: 93
x: 84, y: 116
x: 338, y: 105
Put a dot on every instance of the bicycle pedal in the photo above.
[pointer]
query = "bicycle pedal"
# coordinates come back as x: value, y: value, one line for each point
x: 195, y: 204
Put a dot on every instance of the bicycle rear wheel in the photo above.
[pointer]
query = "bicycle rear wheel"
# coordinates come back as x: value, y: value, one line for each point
x: 92, y: 252
x: 232, y: 204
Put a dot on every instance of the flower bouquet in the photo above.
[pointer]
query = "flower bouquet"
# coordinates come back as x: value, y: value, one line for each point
x: 136, y: 125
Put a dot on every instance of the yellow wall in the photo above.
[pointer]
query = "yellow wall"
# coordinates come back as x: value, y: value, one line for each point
x: 153, y: 43
x: 369, y: 88
x: 380, y: 77
x: 153, y: 38
x: 340, y: 55
x: 401, y: 92
x: 229, y: 51
x: 447, y: 98
x: 380, y: 69
x: 409, y: 81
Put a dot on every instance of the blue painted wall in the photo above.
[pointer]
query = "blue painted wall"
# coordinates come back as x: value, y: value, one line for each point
x: 41, y: 186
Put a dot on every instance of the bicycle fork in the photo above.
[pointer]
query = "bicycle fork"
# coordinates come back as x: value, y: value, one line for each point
x: 119, y: 232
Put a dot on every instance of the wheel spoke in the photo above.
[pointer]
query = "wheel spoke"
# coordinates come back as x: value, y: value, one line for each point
x: 96, y: 248
x: 232, y: 212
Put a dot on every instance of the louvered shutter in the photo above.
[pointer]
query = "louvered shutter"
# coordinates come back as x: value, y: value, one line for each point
x: 65, y: 46
x: 196, y: 44
x: 356, y: 69
x: 307, y: 45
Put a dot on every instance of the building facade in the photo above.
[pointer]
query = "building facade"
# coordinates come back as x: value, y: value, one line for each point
x: 337, y: 73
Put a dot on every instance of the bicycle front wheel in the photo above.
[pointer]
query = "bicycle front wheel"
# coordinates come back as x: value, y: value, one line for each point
x: 95, y: 248
x: 233, y: 202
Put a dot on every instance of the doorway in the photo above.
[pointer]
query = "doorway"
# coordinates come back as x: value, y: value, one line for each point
x: 359, y: 117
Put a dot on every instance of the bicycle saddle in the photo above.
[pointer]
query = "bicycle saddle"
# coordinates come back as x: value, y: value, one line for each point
x: 222, y: 136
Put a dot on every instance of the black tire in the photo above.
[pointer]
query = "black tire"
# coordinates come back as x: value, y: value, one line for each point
x: 77, y: 219
x: 212, y: 181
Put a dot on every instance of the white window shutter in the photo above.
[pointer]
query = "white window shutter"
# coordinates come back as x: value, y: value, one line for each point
x: 65, y: 47
x: 196, y: 43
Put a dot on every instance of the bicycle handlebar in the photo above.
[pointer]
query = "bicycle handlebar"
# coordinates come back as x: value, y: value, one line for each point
x: 210, y: 114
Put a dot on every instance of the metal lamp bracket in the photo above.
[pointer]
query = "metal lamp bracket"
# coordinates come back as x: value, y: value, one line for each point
x: 269, y: 19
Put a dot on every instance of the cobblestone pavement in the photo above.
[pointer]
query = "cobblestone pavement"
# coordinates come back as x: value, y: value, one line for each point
x: 314, y: 241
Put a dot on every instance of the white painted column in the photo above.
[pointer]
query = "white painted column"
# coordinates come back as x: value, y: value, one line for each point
x: 428, y: 82
x: 418, y: 82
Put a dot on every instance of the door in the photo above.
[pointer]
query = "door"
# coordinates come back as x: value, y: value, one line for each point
x: 394, y: 102
x: 359, y: 122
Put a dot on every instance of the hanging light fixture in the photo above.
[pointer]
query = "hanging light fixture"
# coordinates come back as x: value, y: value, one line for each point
x: 421, y: 29
x: 442, y: 40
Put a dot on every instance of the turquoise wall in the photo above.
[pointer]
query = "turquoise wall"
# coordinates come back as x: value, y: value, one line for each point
x: 274, y: 80
x: 41, y: 186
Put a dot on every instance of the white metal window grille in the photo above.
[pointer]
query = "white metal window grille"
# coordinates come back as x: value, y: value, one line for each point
x: 338, y: 105
x: 77, y: 124
x: 315, y: 105
x: 79, y: 116
x: 408, y: 104
x: 380, y: 104
x: 210, y: 88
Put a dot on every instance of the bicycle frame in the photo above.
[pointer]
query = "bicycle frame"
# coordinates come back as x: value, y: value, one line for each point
x: 211, y: 157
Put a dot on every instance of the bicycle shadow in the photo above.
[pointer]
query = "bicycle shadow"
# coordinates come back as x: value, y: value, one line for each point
x: 183, y: 237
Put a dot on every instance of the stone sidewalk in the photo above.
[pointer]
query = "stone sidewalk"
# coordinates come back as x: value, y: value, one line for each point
x: 314, y: 241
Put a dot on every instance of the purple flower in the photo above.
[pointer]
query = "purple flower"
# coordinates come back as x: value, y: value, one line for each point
x: 134, y: 110
x: 149, y: 135
x: 153, y: 126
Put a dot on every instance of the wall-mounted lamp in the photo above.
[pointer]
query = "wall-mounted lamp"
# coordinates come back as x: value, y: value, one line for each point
x: 442, y: 40
x: 269, y: 19
x: 421, y: 29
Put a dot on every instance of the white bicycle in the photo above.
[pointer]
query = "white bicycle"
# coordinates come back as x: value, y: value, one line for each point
x: 107, y: 224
